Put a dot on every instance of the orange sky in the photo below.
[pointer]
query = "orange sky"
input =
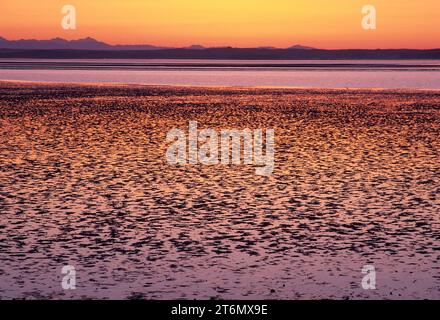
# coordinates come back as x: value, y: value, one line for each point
x: 243, y: 23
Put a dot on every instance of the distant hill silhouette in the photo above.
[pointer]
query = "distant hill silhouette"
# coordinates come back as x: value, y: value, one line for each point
x: 89, y: 48
x: 298, y: 46
x: 196, y: 47
x: 62, y: 44
x: 93, y: 44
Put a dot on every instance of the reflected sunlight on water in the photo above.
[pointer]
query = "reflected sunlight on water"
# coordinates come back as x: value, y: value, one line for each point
x: 84, y: 181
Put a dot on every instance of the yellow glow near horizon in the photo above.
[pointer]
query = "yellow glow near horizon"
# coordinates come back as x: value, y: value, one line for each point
x: 242, y: 23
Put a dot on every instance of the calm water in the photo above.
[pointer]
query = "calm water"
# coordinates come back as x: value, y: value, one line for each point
x: 414, y: 74
x: 84, y: 181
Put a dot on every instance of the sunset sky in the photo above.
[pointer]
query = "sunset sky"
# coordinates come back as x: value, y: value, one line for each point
x: 241, y: 23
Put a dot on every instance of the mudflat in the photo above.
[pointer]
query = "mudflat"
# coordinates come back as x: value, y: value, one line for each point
x: 84, y: 181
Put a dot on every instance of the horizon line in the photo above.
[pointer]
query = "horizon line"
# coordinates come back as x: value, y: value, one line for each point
x: 188, y: 46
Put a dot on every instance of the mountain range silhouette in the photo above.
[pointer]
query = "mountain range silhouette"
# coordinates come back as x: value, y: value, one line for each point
x: 93, y: 44
x: 89, y: 48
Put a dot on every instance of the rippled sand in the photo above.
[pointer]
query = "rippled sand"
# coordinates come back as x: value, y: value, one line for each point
x: 84, y: 181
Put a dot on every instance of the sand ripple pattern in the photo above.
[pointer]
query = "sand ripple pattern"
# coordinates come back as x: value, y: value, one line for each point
x: 84, y: 181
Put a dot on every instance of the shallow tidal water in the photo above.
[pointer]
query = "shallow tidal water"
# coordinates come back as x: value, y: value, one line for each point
x: 84, y: 181
x: 390, y: 74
